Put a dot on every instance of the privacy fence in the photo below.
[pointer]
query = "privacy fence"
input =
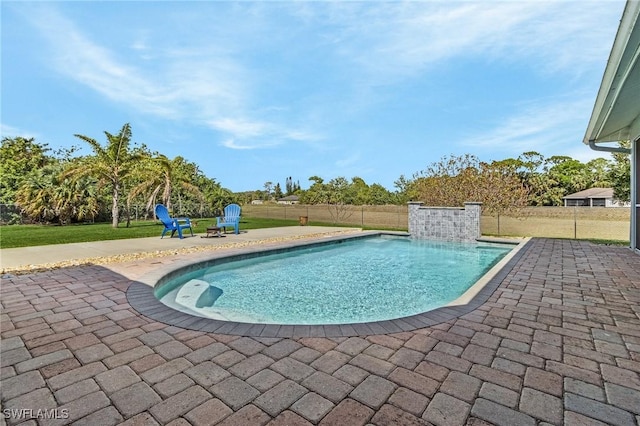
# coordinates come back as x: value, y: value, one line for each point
x: 387, y: 217
x: 553, y: 222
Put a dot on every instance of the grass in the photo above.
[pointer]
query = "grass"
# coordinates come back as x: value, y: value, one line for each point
x: 605, y: 242
x: 12, y: 236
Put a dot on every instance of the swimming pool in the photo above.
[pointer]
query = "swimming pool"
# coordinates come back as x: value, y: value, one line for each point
x: 355, y: 281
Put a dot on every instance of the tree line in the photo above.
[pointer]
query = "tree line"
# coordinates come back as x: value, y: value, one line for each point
x: 510, y: 184
x: 513, y: 183
x: 64, y: 188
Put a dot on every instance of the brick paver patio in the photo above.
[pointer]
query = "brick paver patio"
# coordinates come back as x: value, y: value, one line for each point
x: 557, y: 343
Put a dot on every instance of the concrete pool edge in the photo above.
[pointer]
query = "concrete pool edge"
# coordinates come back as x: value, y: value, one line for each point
x: 141, y: 298
x: 472, y: 291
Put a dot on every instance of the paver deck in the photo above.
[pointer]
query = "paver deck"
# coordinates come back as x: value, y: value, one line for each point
x: 558, y: 342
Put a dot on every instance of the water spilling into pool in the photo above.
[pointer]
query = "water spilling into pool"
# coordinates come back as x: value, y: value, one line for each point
x: 363, y: 280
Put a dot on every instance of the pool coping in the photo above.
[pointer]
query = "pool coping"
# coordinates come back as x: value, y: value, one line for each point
x: 141, y: 298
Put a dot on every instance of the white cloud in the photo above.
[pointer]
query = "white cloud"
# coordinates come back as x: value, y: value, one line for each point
x: 7, y: 131
x: 240, y: 128
x: 77, y: 57
x: 226, y: 75
x: 372, y: 47
x: 250, y: 144
x: 197, y: 82
x: 396, y: 40
x: 348, y: 161
x: 302, y: 136
x: 253, y: 135
x: 231, y: 144
x: 540, y: 126
x: 583, y: 153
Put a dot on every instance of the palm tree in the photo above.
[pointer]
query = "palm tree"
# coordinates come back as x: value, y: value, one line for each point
x: 220, y: 197
x: 78, y: 199
x: 34, y: 196
x: 110, y: 165
x: 160, y: 176
x: 44, y: 196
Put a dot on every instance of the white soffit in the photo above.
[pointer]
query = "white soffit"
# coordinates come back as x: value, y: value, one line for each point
x: 616, y: 113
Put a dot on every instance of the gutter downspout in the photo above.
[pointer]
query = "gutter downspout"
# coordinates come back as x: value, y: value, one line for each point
x: 593, y: 146
x: 634, y: 240
x: 635, y: 198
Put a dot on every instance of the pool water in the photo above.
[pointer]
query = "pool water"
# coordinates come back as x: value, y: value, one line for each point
x: 364, y: 280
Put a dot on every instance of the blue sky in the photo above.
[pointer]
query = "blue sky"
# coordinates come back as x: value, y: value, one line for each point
x: 259, y: 91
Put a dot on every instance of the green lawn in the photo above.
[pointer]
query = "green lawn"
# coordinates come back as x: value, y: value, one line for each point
x: 39, y: 235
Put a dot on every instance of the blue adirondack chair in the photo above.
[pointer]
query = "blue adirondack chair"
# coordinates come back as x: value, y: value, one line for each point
x: 231, y: 218
x: 172, y: 224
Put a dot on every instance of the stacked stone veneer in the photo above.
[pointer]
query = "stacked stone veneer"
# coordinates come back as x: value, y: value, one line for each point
x: 444, y: 223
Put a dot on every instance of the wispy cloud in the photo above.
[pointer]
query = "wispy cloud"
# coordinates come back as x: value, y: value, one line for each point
x: 77, y: 57
x: 382, y: 43
x: 255, y: 135
x: 263, y: 75
x: 200, y: 83
x: 247, y: 145
x: 405, y: 39
x: 541, y: 125
x: 374, y: 47
x: 8, y: 131
x: 349, y: 161
x: 241, y: 128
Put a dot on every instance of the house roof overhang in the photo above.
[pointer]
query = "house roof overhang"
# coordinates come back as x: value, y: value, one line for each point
x: 591, y: 193
x: 616, y: 113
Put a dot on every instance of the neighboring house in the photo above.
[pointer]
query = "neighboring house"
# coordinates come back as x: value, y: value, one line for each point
x: 290, y: 199
x: 593, y: 197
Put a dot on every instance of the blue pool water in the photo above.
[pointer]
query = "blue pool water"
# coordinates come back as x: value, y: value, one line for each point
x: 370, y: 279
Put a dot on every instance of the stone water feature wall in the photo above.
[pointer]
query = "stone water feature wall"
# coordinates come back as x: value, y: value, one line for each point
x: 444, y: 223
